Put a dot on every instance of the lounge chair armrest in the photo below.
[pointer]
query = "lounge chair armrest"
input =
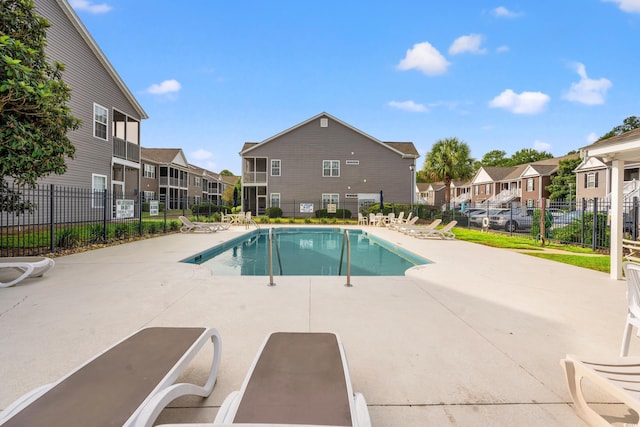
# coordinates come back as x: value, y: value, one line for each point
x: 361, y: 411
x: 24, y: 400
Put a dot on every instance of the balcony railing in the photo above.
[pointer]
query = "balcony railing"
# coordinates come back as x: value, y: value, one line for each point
x: 126, y: 150
x: 253, y: 177
x: 173, y: 182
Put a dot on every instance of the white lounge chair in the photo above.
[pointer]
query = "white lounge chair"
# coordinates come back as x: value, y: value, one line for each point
x: 32, y: 266
x: 127, y: 385
x: 412, y: 230
x: 617, y: 376
x: 399, y: 226
x: 632, y: 273
x: 188, y: 226
x: 440, y: 233
x: 297, y: 378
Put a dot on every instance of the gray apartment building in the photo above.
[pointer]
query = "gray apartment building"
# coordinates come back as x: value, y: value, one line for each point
x: 324, y: 161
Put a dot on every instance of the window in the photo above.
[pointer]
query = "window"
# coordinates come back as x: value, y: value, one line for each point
x: 591, y: 180
x: 487, y: 189
x: 197, y: 181
x: 149, y: 195
x: 275, y: 167
x: 331, y: 168
x: 100, y: 120
x: 529, y: 184
x: 330, y: 198
x: 275, y: 200
x: 476, y: 189
x: 150, y: 171
x: 98, y: 185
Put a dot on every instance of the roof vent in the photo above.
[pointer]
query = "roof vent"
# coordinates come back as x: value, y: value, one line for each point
x: 324, y: 123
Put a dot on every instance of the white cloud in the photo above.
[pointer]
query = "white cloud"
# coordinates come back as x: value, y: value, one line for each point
x: 426, y: 58
x: 503, y: 12
x: 502, y: 48
x: 592, y: 137
x: 166, y: 87
x: 203, y: 158
x: 523, y: 103
x: 87, y: 6
x: 587, y: 91
x: 408, y: 106
x: 541, y: 146
x: 630, y: 6
x: 470, y: 43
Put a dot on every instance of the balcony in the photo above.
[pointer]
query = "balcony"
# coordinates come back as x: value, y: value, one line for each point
x: 254, y: 177
x: 126, y: 150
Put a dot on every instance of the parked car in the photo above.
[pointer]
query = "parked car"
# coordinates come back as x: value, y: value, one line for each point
x: 566, y: 218
x: 518, y: 219
x: 476, y: 218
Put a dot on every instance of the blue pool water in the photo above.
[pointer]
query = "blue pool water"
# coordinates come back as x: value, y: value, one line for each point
x: 307, y: 252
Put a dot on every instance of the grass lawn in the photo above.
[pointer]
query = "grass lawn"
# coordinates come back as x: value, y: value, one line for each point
x: 574, y: 255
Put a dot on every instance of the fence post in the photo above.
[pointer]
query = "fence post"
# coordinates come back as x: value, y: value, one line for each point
x: 634, y: 218
x: 52, y: 242
x: 594, y: 235
x: 140, y: 228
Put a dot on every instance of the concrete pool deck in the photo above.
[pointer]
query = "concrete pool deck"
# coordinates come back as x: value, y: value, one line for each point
x: 473, y: 339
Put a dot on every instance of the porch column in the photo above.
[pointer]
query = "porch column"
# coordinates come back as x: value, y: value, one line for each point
x: 617, y: 182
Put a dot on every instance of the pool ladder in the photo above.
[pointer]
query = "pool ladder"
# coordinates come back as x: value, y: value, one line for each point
x: 271, y: 239
x: 346, y: 241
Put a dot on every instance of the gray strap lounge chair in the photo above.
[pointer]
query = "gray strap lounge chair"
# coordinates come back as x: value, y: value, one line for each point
x: 127, y: 385
x: 297, y: 378
x: 32, y: 266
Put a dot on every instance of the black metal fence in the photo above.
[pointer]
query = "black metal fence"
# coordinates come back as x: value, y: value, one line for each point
x: 585, y: 222
x: 61, y: 218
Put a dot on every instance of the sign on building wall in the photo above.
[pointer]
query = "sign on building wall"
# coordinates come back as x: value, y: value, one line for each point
x: 306, y: 207
x: 125, y: 208
x: 154, y: 208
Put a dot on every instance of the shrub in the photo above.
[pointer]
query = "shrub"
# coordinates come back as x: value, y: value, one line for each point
x: 67, y: 238
x: 121, y: 231
x: 307, y: 220
x: 174, y: 225
x: 274, y: 212
x: 96, y: 233
x: 277, y: 220
x: 340, y: 213
x: 152, y: 227
x: 292, y: 220
x: 208, y: 209
x: 264, y: 219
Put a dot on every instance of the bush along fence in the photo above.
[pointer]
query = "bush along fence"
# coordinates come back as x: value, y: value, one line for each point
x: 62, y: 218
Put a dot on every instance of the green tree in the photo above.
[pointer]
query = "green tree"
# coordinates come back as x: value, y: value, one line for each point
x: 226, y: 172
x: 563, y: 184
x: 34, y: 117
x: 528, y: 155
x: 630, y: 123
x: 449, y: 159
x: 495, y: 158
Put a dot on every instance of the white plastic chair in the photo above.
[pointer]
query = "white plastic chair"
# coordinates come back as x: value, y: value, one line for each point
x: 361, y: 219
x: 632, y: 272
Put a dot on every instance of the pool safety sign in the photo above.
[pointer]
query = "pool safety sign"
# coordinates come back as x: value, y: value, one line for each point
x: 331, y: 208
x: 306, y: 207
x: 154, y: 207
x: 125, y: 208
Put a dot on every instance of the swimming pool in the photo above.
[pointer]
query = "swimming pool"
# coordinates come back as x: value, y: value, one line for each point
x: 306, y: 252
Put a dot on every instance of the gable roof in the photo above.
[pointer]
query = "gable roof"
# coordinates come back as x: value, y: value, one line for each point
x: 625, y: 146
x: 164, y: 156
x: 405, y: 149
x: 84, y: 33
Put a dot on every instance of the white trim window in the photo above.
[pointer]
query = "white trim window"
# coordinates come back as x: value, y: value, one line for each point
x: 149, y: 195
x: 476, y: 190
x: 591, y: 180
x: 530, y: 184
x: 328, y: 198
x: 331, y: 168
x: 274, y: 200
x: 487, y: 189
x: 150, y: 171
x: 100, y: 121
x: 98, y: 186
x: 276, y: 167
x: 197, y: 181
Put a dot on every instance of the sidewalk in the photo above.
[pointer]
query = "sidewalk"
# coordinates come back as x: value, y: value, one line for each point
x: 473, y: 339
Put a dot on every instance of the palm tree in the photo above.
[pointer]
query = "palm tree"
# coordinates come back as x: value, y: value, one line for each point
x: 449, y: 159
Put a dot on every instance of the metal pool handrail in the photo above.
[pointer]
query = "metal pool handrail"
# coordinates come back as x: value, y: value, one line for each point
x: 271, y: 238
x: 346, y: 239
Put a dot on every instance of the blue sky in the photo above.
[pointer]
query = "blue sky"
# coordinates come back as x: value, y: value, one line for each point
x: 213, y: 75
